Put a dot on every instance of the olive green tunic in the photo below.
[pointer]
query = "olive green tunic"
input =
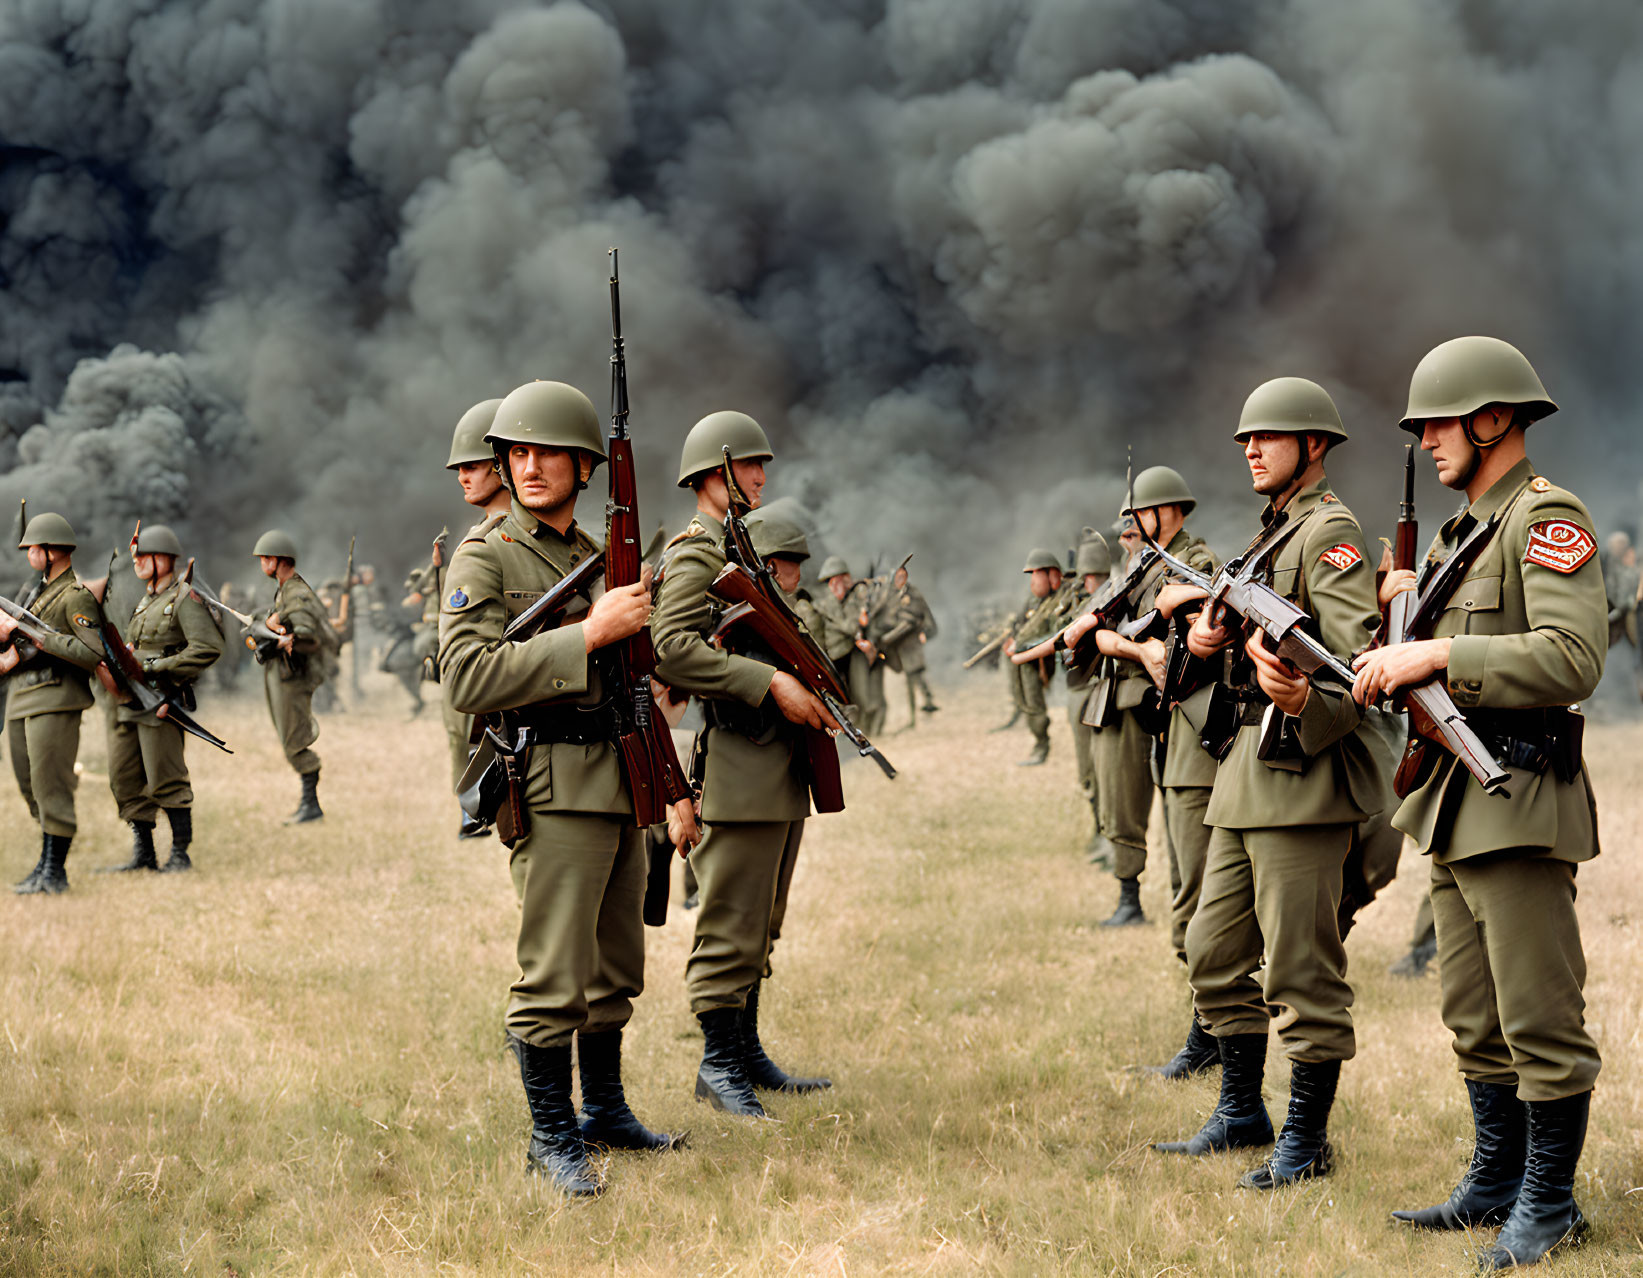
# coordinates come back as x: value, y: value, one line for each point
x: 1529, y: 630
x: 1037, y: 620
x: 914, y: 624
x: 289, y: 680
x: 580, y: 871
x: 47, y: 695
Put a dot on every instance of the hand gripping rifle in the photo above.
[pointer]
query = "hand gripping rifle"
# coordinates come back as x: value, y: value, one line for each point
x: 1108, y: 606
x: 745, y: 580
x: 1257, y: 605
x: 649, y: 761
x: 260, y: 637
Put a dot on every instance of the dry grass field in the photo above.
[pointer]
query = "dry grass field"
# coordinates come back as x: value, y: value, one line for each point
x: 290, y: 1062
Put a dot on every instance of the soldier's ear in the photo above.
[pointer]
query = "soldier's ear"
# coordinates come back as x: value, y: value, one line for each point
x: 584, y: 466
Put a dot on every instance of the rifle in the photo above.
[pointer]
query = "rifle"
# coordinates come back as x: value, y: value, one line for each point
x: 988, y: 649
x: 745, y: 579
x: 1107, y: 605
x: 1257, y: 605
x: 650, y: 764
x: 345, y: 611
x: 261, y: 638
x: 30, y: 626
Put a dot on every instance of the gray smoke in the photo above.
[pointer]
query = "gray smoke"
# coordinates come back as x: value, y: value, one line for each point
x: 958, y: 255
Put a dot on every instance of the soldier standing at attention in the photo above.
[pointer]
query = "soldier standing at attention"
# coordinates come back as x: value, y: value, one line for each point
x: 1284, y: 819
x: 912, y: 626
x: 1093, y: 564
x: 870, y: 609
x: 838, y: 633
x: 1522, y: 638
x: 482, y: 487
x: 50, y: 688
x: 291, y: 674
x: 173, y: 634
x: 754, y: 794
x: 1028, y: 682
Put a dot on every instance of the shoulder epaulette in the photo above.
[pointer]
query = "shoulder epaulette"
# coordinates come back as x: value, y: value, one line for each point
x: 483, y: 528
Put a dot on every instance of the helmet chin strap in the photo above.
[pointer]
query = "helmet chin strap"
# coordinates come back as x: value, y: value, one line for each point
x: 1479, y: 446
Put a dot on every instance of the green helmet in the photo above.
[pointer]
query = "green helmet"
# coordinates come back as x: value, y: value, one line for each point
x: 1290, y: 406
x: 1468, y: 373
x: 274, y: 542
x: 157, y: 539
x: 1093, y: 555
x: 705, y: 444
x: 1038, y: 558
x: 48, y: 529
x: 550, y: 414
x: 833, y: 567
x: 775, y: 536
x: 1159, y: 486
x: 468, y: 444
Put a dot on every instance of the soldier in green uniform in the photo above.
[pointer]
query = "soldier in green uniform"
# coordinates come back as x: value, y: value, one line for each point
x: 50, y: 688
x: 754, y: 794
x: 579, y: 867
x: 1092, y: 561
x: 912, y: 626
x: 869, y: 608
x: 482, y: 487
x: 1048, y: 597
x: 175, y: 637
x: 1285, y: 818
x: 329, y: 657
x: 1523, y: 637
x: 291, y: 674
x: 837, y: 634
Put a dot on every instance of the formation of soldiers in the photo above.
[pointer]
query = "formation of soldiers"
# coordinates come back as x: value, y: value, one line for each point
x: 1275, y: 768
x: 1271, y: 725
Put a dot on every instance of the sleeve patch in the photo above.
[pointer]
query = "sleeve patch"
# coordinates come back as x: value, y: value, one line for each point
x: 80, y: 619
x: 1559, y: 544
x: 1343, y: 556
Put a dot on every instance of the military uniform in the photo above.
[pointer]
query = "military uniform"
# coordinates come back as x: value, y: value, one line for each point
x: 912, y: 625
x: 1037, y: 621
x: 289, y: 678
x: 866, y: 674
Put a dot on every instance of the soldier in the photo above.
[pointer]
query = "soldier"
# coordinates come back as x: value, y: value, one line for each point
x: 1093, y: 563
x: 912, y: 626
x: 482, y: 487
x: 173, y: 634
x: 1522, y: 638
x: 837, y: 635
x: 870, y: 609
x: 227, y: 668
x: 754, y: 793
x: 1284, y: 818
x: 1047, y: 597
x: 329, y: 657
x: 49, y: 691
x: 293, y: 671
x: 579, y: 867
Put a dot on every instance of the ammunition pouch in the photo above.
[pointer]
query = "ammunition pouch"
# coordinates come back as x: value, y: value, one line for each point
x: 760, y: 723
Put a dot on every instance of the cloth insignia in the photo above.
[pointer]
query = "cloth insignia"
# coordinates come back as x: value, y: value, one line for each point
x: 80, y: 619
x: 1559, y: 544
x: 506, y: 538
x: 1343, y: 556
x: 459, y: 598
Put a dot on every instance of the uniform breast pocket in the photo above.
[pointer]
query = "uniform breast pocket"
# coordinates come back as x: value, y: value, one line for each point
x: 517, y: 601
x: 1472, y: 605
x: 1286, y: 581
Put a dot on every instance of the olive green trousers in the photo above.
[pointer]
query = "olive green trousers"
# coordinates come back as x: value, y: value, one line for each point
x: 1027, y: 695
x: 291, y: 707
x: 1513, y: 973
x: 866, y: 683
x: 743, y: 873
x: 580, y: 878
x: 1123, y: 770
x: 457, y: 728
x: 146, y: 769
x: 43, y: 750
x: 1269, y: 904
x: 1083, y: 746
x: 1184, y: 808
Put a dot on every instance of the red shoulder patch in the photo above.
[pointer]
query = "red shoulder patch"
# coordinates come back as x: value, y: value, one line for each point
x: 1559, y: 544
x: 1343, y: 556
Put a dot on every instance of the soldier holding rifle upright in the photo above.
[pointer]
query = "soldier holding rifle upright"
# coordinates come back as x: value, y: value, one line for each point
x: 292, y: 666
x: 1518, y: 635
x: 1047, y: 598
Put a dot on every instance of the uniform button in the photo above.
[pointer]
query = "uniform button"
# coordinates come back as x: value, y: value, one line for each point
x: 559, y: 683
x: 573, y: 558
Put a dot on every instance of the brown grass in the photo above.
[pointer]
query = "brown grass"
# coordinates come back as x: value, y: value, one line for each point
x: 290, y: 1062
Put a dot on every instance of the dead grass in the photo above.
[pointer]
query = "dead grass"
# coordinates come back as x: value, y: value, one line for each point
x: 290, y: 1061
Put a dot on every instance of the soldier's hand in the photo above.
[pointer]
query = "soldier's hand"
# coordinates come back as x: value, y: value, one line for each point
x: 1175, y: 594
x: 867, y: 649
x: 1382, y: 671
x: 1286, y: 686
x: 7, y: 625
x: 683, y: 832
x: 1009, y: 647
x: 1207, y: 637
x: 1397, y: 581
x: 616, y: 615
x: 1080, y: 627
x: 287, y: 643
x: 9, y: 657
x: 798, y: 704
x: 1155, y: 657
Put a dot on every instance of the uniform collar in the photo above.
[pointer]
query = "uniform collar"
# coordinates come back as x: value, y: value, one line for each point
x: 1300, y: 504
x: 1180, y: 542
x: 536, y: 530
x: 1496, y: 497
x: 714, y: 528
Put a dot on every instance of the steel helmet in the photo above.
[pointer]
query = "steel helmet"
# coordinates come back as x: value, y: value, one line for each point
x: 775, y: 536
x: 1290, y: 406
x: 550, y: 414
x: 832, y: 567
x: 1468, y: 373
x: 705, y: 444
x: 157, y: 539
x: 1093, y: 555
x: 468, y: 443
x: 1038, y: 558
x: 274, y: 542
x: 49, y: 529
x: 1159, y: 486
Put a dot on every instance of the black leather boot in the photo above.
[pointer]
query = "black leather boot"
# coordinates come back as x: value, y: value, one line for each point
x: 556, y: 1150
x: 763, y: 1072
x: 1128, y: 913
x: 606, y: 1118
x: 1545, y: 1215
x: 182, y: 834
x: 1303, y: 1149
x: 1239, y: 1119
x: 49, y: 877
x: 1490, y: 1186
x: 308, y: 809
x: 25, y: 884
x: 722, y: 1079
x: 1041, y: 753
x: 1199, y: 1053
x: 142, y: 850
x: 1419, y: 958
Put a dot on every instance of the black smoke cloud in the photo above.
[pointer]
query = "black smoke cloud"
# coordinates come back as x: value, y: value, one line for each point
x: 959, y: 255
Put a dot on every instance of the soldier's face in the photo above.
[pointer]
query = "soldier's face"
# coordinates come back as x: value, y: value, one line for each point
x: 900, y: 579
x: 544, y: 478
x: 750, y: 475
x: 1273, y: 458
x: 1452, y: 453
x: 1045, y: 581
x: 479, y: 481
x: 270, y: 564
x: 143, y: 565
x: 38, y: 559
x: 840, y: 586
x: 786, y: 572
x: 1092, y: 582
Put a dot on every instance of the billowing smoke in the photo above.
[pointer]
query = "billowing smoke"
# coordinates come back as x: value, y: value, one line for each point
x: 958, y: 255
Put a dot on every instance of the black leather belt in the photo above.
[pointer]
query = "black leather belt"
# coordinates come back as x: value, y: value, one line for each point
x: 569, y: 725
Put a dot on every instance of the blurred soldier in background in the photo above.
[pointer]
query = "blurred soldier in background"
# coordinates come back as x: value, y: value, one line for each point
x: 912, y: 626
x: 1093, y: 563
x: 1046, y: 596
x: 294, y: 669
